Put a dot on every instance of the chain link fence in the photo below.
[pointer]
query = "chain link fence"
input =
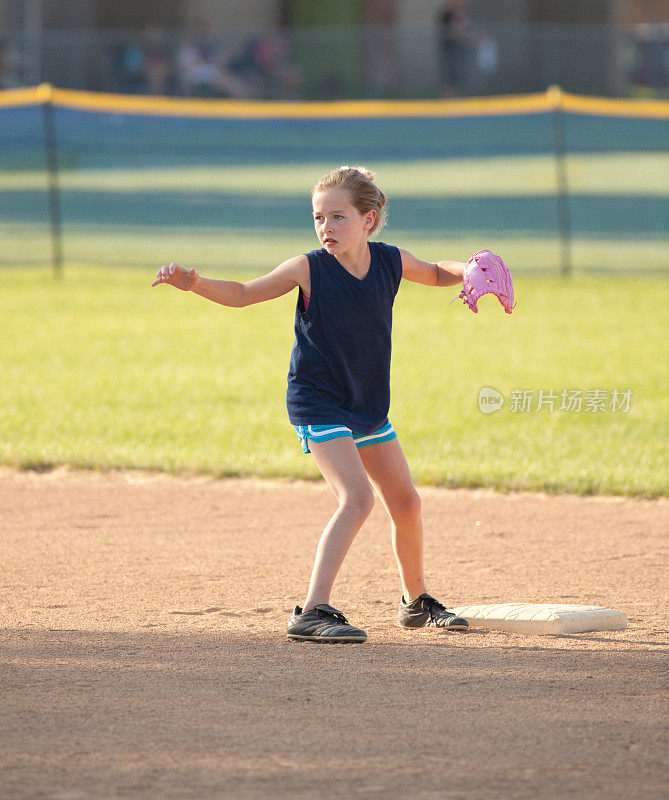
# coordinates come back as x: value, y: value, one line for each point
x: 344, y: 62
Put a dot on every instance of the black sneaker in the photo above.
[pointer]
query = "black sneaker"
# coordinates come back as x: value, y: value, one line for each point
x: 428, y: 611
x: 322, y: 624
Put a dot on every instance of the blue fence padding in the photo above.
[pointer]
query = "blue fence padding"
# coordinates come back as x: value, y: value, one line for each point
x: 87, y: 140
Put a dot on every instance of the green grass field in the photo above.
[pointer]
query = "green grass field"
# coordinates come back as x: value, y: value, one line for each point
x: 100, y: 370
x: 249, y: 216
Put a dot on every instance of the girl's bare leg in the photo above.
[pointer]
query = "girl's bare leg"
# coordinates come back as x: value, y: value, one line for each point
x: 389, y: 473
x: 340, y: 465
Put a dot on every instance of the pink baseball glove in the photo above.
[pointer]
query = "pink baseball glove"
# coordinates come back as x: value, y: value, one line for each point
x: 485, y: 272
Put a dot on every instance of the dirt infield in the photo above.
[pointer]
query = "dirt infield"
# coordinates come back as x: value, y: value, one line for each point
x: 143, y: 648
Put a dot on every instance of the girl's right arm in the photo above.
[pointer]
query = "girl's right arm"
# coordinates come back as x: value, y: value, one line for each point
x: 291, y: 273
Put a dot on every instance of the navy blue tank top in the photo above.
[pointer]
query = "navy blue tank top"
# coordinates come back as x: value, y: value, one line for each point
x: 340, y: 364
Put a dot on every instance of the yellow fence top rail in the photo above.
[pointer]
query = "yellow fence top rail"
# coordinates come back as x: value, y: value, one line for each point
x: 613, y: 107
x: 554, y: 98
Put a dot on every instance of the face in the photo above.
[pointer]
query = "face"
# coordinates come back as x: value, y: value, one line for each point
x: 339, y: 225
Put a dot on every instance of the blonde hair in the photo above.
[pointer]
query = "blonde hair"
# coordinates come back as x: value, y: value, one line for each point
x: 364, y: 193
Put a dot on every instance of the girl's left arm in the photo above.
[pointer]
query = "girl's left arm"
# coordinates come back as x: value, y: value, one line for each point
x: 441, y: 273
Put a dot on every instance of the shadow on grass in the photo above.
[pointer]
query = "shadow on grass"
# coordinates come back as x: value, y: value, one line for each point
x: 591, y: 214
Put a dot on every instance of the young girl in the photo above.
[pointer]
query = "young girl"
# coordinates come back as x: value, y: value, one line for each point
x: 339, y: 388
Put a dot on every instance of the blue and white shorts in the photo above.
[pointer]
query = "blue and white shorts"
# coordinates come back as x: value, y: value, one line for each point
x: 323, y: 433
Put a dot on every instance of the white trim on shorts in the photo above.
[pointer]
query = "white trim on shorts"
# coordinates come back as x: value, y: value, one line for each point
x: 306, y: 432
x: 380, y: 434
x: 315, y: 435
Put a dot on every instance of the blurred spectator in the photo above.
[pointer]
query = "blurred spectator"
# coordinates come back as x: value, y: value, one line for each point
x: 10, y: 65
x: 130, y: 67
x: 201, y: 70
x: 158, y: 67
x: 487, y: 55
x: 265, y: 65
x: 455, y: 30
x: 650, y: 63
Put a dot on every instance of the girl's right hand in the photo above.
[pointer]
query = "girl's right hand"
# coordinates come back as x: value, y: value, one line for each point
x: 176, y: 275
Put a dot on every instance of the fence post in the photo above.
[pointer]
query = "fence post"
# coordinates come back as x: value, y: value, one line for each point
x: 45, y: 93
x: 555, y: 98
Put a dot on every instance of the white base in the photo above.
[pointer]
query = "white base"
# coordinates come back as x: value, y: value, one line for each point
x: 542, y: 618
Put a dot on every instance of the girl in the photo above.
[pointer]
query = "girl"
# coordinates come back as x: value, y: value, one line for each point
x: 339, y: 388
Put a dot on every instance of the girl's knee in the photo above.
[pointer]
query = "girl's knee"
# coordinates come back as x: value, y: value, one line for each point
x: 406, y: 505
x: 359, y: 502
